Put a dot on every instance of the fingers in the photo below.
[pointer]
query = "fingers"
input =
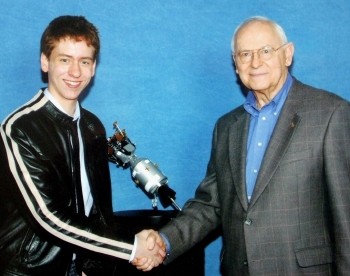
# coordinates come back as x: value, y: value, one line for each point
x: 143, y: 264
x: 162, y: 253
x: 139, y: 261
x: 147, y: 266
x: 150, y: 251
x: 154, y: 238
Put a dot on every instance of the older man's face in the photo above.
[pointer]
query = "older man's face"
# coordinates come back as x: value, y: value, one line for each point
x: 264, y: 77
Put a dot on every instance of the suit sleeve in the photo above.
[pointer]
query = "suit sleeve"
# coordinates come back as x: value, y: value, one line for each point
x: 337, y: 174
x: 199, y: 217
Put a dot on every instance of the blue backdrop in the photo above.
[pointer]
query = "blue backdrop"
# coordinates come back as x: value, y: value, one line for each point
x: 165, y: 73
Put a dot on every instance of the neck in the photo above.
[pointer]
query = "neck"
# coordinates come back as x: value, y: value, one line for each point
x: 70, y: 109
x: 263, y: 97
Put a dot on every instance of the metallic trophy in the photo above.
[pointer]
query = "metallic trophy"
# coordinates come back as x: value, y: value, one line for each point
x: 145, y: 174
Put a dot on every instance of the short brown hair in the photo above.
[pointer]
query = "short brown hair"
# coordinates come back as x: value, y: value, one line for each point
x: 68, y: 26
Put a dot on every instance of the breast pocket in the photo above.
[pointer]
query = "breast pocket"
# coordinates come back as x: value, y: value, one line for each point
x: 297, y: 154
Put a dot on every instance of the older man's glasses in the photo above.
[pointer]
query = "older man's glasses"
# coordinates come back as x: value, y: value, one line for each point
x: 264, y: 53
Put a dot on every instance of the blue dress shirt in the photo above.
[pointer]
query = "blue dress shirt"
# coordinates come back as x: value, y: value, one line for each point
x: 262, y: 123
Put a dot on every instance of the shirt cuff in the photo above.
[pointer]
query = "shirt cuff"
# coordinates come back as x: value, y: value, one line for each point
x: 167, y: 243
x: 133, y: 250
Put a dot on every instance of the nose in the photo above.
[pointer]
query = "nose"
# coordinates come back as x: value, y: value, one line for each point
x: 74, y: 70
x: 256, y: 61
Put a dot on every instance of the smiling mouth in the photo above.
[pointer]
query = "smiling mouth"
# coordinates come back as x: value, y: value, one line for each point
x: 258, y: 74
x: 72, y: 84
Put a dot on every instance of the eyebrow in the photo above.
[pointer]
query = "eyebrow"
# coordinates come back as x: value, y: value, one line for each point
x: 69, y: 56
x: 247, y: 50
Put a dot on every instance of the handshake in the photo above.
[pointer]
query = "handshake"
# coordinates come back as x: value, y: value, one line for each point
x: 150, y: 250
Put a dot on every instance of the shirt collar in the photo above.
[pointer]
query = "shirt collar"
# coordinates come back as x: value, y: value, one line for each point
x: 51, y: 98
x: 276, y: 103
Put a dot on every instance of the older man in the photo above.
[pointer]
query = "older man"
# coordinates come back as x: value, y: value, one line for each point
x: 278, y: 179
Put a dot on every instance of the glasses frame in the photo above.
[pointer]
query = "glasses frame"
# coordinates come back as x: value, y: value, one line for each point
x: 252, y: 52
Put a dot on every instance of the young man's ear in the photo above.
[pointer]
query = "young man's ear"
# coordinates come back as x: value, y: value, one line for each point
x: 44, y: 62
x: 94, y: 68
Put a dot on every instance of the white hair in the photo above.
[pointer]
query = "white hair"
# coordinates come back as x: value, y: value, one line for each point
x: 276, y: 26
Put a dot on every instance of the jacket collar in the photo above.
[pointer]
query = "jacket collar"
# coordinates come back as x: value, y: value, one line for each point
x: 57, y: 113
x: 52, y: 99
x: 279, y: 142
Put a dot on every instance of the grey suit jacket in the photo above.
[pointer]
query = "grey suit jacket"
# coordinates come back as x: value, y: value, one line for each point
x: 298, y: 220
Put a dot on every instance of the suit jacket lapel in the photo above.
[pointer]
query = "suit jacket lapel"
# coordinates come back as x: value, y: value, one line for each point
x: 280, y: 139
x: 238, y: 134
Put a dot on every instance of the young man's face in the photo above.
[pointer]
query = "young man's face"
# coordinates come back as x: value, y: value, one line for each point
x: 70, y: 68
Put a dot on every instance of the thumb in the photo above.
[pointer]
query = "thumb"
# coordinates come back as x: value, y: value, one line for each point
x: 151, y: 241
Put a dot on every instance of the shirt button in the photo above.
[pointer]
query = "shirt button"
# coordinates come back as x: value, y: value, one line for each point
x: 259, y: 144
x: 245, y: 263
x: 248, y: 221
x: 263, y: 118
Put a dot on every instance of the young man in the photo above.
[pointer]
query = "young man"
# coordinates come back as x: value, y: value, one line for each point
x: 56, y: 193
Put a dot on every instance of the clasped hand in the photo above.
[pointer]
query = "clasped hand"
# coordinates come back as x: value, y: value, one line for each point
x: 150, y: 251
